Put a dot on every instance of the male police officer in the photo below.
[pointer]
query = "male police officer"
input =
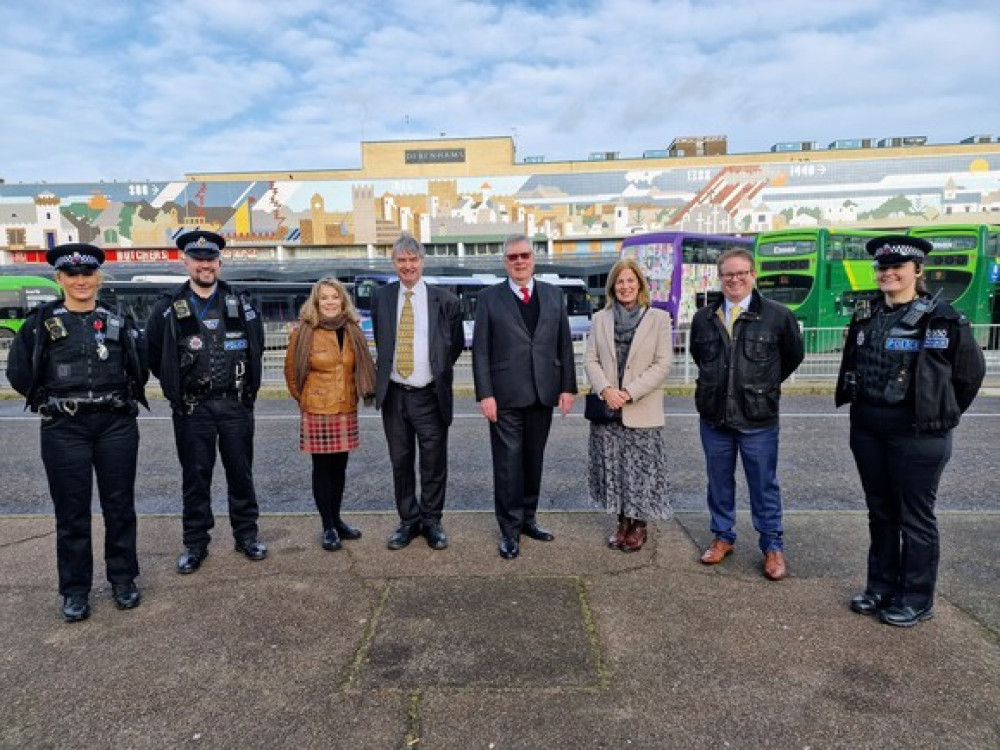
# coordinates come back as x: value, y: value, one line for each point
x: 206, y: 346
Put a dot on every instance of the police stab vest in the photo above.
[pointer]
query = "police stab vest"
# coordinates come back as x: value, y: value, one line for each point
x: 85, y: 354
x: 213, y: 351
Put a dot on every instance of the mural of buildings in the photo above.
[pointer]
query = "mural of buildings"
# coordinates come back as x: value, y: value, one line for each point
x: 456, y: 194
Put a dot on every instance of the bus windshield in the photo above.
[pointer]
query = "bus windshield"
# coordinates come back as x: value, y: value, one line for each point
x: 19, y: 295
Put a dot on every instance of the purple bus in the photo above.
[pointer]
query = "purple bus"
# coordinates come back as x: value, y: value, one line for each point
x: 681, y: 268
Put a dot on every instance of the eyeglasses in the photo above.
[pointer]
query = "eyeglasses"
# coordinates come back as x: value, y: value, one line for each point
x: 77, y: 271
x: 518, y: 256
x: 740, y: 275
x: 893, y: 267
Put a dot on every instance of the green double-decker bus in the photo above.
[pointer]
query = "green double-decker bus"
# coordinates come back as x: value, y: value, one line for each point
x: 819, y: 274
x: 18, y: 296
x: 965, y: 266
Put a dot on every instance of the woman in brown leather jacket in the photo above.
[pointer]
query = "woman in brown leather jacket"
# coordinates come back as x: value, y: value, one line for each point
x: 328, y: 369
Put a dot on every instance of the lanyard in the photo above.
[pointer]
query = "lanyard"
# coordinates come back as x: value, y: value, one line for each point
x: 201, y: 311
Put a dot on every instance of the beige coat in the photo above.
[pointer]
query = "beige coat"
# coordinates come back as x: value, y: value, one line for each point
x: 646, y: 369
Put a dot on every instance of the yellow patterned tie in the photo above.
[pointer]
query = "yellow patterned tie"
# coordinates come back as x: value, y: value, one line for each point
x: 404, y: 338
x: 734, y: 313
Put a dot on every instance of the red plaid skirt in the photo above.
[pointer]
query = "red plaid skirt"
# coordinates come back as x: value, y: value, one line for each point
x: 328, y: 433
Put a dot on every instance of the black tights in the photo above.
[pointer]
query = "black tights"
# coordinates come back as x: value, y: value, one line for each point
x: 328, y: 474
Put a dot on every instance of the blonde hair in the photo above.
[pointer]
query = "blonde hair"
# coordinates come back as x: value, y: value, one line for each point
x: 616, y: 271
x: 309, y: 314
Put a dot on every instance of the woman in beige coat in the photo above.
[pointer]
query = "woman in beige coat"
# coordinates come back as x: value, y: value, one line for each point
x: 628, y: 357
x: 328, y: 369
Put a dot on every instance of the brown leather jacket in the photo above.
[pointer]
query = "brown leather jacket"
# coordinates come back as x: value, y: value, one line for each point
x: 329, y: 386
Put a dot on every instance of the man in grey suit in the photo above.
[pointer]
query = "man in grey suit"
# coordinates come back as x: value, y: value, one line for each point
x: 418, y: 336
x: 522, y: 362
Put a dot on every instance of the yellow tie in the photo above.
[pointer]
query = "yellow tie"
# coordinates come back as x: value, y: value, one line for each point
x: 404, y: 338
x: 734, y: 313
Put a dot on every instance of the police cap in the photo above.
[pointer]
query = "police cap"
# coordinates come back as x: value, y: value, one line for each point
x: 74, y: 255
x: 201, y: 245
x: 892, y: 249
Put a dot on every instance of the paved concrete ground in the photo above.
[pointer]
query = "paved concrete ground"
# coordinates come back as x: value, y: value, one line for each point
x: 570, y: 646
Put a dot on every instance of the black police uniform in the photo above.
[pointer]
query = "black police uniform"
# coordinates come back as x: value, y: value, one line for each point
x: 208, y: 355
x: 84, y: 373
x: 909, y: 372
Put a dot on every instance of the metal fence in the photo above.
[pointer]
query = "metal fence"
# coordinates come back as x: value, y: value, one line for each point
x: 822, y: 362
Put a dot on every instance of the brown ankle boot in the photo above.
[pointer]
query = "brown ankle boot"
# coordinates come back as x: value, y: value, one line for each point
x: 615, y: 540
x: 635, y: 538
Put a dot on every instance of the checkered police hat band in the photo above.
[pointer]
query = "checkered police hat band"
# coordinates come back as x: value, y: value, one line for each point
x: 904, y: 250
x: 77, y: 259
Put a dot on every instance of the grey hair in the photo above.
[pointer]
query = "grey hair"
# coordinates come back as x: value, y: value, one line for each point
x: 407, y: 243
x: 515, y: 239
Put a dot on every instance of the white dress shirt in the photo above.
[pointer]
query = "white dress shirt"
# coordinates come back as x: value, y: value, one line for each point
x: 421, y: 374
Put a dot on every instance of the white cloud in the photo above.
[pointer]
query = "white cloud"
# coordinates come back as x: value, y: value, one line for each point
x: 105, y: 90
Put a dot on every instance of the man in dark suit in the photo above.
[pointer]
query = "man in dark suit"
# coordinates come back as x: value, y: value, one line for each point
x: 523, y: 366
x: 418, y: 336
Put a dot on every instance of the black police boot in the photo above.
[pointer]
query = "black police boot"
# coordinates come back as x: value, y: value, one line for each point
x: 76, y: 607
x: 870, y: 604
x: 125, y: 595
x: 905, y: 617
x: 191, y: 559
x: 253, y: 549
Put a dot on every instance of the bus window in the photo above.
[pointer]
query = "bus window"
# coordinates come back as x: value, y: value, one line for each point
x: 11, y: 306
x: 851, y: 248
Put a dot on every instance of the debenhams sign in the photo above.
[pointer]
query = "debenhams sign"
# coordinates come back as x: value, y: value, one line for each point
x: 435, y: 155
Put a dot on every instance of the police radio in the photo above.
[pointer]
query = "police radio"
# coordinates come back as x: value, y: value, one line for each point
x: 919, y: 309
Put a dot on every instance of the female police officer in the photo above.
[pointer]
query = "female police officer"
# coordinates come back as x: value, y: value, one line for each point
x: 82, y: 367
x: 910, y: 369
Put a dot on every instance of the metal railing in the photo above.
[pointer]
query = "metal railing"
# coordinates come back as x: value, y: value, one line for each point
x: 821, y: 364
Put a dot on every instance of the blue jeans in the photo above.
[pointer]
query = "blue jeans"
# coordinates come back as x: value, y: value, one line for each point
x: 758, y: 449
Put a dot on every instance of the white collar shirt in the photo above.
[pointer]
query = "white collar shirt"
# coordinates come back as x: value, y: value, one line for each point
x: 421, y: 374
x: 516, y: 288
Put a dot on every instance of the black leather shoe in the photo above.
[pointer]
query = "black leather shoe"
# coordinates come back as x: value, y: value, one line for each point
x: 346, y: 531
x: 532, y: 529
x: 904, y: 617
x: 126, y: 595
x: 434, y: 533
x: 75, y: 608
x: 509, y: 548
x: 402, y: 536
x: 331, y: 540
x: 253, y: 549
x: 191, y: 559
x: 870, y: 604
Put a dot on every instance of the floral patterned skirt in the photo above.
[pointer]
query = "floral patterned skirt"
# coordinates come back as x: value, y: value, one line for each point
x: 328, y: 433
x: 628, y: 470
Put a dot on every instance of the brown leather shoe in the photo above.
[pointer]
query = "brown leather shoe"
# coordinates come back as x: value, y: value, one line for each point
x: 635, y: 538
x: 716, y: 552
x: 616, y: 539
x: 774, y: 565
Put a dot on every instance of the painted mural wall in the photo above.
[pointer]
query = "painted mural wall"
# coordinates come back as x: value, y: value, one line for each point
x: 139, y: 221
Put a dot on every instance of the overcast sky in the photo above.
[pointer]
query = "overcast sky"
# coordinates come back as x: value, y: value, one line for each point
x: 111, y: 89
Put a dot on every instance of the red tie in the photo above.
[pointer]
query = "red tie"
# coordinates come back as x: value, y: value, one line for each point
x: 525, y: 294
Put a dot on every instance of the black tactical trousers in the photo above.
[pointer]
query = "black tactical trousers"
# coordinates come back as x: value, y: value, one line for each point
x: 228, y: 424
x: 74, y: 449
x: 900, y: 470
